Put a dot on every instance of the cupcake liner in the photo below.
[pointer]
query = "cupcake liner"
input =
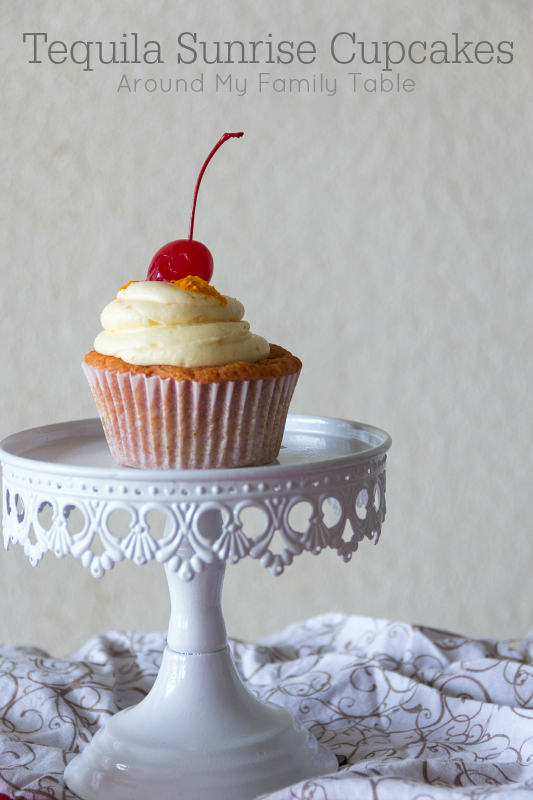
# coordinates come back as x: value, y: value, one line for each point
x: 156, y: 423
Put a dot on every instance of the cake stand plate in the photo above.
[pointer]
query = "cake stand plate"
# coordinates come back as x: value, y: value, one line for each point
x: 199, y: 733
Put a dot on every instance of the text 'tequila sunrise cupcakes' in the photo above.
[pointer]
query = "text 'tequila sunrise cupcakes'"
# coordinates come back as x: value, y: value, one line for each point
x: 179, y: 380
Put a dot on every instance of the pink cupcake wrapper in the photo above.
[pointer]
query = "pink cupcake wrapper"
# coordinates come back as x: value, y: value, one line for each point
x: 156, y: 423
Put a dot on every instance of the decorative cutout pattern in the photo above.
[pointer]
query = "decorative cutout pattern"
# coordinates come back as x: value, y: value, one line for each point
x: 356, y: 493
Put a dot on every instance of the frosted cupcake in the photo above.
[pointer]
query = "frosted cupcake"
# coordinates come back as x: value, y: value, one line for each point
x: 180, y: 382
x: 178, y: 379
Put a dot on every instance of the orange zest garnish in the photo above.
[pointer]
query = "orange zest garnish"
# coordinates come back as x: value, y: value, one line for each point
x: 126, y: 285
x: 192, y: 283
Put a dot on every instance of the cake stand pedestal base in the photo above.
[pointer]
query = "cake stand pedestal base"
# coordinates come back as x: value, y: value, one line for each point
x: 199, y: 734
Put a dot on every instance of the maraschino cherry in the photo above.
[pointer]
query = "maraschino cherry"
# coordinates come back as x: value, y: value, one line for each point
x: 184, y: 257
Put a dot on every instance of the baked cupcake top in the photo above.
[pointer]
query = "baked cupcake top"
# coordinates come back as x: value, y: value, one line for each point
x: 278, y: 363
x: 184, y: 323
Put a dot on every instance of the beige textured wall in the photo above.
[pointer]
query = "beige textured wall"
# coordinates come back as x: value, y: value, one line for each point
x: 385, y: 238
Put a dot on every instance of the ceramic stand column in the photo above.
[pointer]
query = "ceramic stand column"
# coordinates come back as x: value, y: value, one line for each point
x: 199, y: 734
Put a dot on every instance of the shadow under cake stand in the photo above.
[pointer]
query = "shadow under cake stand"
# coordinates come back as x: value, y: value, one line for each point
x: 199, y: 733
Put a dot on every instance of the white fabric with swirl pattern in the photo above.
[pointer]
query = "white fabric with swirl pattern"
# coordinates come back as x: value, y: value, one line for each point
x: 418, y: 713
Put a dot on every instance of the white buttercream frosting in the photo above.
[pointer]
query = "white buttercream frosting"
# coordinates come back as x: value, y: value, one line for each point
x: 154, y: 322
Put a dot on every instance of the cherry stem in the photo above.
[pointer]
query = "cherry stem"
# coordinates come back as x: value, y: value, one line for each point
x: 223, y: 139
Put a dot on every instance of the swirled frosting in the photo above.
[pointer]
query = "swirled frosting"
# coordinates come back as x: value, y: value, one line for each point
x: 154, y: 322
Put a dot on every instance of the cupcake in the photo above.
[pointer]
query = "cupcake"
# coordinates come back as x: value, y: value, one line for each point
x: 178, y: 379
x: 180, y: 382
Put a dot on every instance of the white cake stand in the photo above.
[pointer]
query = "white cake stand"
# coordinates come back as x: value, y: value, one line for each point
x: 199, y: 734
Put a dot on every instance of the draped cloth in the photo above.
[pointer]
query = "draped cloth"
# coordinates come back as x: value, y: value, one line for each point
x: 418, y: 714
